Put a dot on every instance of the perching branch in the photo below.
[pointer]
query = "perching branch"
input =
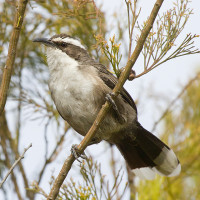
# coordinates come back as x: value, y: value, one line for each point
x: 105, y: 108
x: 13, y: 166
x: 7, y: 71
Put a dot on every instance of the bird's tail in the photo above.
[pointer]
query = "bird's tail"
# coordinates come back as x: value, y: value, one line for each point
x: 147, y: 155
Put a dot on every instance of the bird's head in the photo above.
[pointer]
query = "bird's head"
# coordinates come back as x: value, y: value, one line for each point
x: 65, y: 44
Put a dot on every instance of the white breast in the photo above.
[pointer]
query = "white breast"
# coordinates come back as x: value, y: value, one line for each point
x: 72, y: 88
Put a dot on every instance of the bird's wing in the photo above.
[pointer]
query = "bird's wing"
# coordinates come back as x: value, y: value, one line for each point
x: 110, y: 80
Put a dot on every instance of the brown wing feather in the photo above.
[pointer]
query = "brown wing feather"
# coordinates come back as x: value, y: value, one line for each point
x: 110, y: 80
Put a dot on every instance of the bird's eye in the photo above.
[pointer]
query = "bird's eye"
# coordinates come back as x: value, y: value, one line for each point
x: 63, y: 44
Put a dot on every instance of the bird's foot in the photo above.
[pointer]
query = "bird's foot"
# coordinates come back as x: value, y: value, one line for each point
x: 75, y: 152
x: 109, y: 98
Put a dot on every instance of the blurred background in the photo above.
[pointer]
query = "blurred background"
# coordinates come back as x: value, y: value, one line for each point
x: 167, y: 98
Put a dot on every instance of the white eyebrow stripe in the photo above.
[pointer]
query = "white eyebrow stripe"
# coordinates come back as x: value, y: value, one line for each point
x: 70, y: 41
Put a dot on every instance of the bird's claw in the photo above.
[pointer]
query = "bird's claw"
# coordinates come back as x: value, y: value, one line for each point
x: 75, y: 152
x: 109, y: 98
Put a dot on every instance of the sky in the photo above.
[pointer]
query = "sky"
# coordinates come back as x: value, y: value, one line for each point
x: 165, y: 81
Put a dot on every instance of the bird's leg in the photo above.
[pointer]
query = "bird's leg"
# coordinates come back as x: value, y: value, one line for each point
x: 109, y: 97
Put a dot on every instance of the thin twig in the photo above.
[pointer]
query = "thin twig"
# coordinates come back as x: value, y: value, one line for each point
x: 15, y: 164
x: 174, y: 100
x: 3, y: 143
x: 54, y: 153
x: 102, y: 113
x: 6, y: 135
x: 131, y: 25
x: 131, y: 183
x: 113, y: 165
x: 7, y: 71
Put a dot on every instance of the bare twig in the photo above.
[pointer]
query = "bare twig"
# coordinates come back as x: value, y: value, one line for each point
x: 174, y: 100
x: 15, y: 164
x: 131, y: 25
x: 160, y: 45
x: 54, y: 153
x: 131, y: 182
x: 102, y: 113
x: 7, y: 71
x: 35, y: 186
x: 185, y: 48
x: 6, y: 135
x: 3, y: 143
x: 113, y: 165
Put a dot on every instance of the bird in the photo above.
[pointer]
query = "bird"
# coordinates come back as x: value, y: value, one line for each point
x: 79, y: 87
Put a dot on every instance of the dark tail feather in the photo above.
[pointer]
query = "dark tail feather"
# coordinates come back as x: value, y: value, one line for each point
x: 146, y: 154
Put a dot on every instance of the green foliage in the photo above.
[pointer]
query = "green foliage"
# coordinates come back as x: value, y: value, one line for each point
x: 94, y: 185
x: 181, y: 132
x: 111, y: 53
x: 160, y: 45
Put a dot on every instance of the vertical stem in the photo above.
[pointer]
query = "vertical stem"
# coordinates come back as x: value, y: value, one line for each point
x: 3, y: 131
x: 113, y: 166
x: 7, y: 71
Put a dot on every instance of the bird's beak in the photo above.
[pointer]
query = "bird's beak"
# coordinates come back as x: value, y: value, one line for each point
x: 45, y: 41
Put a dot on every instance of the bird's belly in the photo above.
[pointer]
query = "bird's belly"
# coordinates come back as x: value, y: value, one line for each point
x: 81, y: 112
x: 76, y: 103
x: 80, y: 115
x: 79, y: 102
